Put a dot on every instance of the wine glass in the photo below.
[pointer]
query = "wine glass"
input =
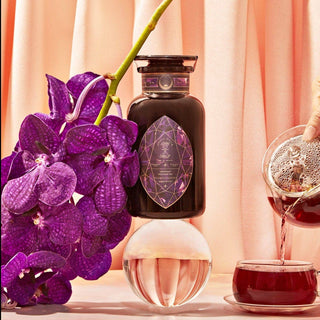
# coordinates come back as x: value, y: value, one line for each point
x: 291, y: 170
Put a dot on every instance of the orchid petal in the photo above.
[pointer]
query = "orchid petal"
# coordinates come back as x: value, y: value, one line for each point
x: 91, y: 268
x: 130, y: 169
x: 19, y: 194
x: 22, y: 163
x: 45, y: 244
x: 22, y: 290
x: 59, y: 98
x: 110, y: 196
x: 5, y: 258
x: 45, y: 260
x: 90, y: 245
x: 19, y: 235
x: 5, y: 168
x: 95, y: 97
x: 58, y: 291
x: 54, y: 123
x: 56, y: 184
x: 28, y: 162
x: 93, y: 223
x: 64, y: 223
x: 42, y: 276
x: 119, y: 226
x: 67, y: 271
x: 121, y: 133
x: 13, y: 268
x: 84, y: 138
x: 33, y: 131
x: 90, y: 171
x: 5, y: 216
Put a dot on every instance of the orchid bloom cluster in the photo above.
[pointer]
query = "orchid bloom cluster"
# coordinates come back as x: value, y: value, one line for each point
x: 47, y: 238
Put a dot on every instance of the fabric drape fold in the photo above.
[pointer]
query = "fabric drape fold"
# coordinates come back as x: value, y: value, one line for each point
x: 257, y: 61
x: 255, y: 212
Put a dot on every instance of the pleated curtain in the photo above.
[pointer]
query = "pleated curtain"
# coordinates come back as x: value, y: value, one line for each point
x: 257, y: 61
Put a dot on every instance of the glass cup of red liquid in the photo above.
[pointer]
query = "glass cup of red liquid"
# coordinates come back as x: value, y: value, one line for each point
x: 267, y: 282
x: 291, y: 170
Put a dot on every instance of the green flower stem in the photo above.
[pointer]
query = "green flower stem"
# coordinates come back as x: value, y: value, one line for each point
x: 117, y: 76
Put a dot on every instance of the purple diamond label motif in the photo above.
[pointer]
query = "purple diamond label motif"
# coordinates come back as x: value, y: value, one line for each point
x: 166, y: 162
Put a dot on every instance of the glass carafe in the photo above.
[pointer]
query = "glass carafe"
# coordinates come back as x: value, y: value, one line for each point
x: 291, y: 169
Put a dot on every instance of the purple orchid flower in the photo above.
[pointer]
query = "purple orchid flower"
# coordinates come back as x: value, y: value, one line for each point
x: 45, y: 177
x: 53, y: 228
x: 91, y: 257
x: 13, y: 166
x: 104, y: 162
x: 93, y: 267
x: 63, y: 98
x: 26, y: 277
x: 100, y: 230
x: 56, y: 290
x: 46, y: 239
x: 5, y: 168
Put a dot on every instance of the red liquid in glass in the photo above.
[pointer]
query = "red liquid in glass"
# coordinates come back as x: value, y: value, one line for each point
x: 305, y: 213
x: 274, y: 288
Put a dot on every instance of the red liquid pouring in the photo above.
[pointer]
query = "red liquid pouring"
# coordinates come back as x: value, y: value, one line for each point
x: 281, y: 287
x: 305, y: 213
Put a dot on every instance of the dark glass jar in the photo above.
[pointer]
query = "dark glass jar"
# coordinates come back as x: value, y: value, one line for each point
x: 170, y: 142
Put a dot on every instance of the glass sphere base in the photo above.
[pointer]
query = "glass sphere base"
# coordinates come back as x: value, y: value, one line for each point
x: 167, y: 262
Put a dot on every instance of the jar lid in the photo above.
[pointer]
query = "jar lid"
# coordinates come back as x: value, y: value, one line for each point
x: 166, y: 63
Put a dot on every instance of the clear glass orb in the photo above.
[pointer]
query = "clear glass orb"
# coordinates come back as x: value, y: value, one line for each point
x: 167, y: 262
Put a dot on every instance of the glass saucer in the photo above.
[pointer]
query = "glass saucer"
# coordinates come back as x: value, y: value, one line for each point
x: 274, y: 309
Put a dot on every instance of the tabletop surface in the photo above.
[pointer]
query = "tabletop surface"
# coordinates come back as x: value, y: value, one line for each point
x: 111, y: 297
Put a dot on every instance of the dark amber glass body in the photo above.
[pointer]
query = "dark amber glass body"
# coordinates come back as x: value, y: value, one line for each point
x: 188, y: 112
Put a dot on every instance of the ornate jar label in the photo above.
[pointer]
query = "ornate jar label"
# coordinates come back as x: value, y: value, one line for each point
x: 166, y: 162
x: 163, y: 82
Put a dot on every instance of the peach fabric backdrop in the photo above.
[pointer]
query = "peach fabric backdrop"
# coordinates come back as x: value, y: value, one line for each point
x: 257, y: 59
